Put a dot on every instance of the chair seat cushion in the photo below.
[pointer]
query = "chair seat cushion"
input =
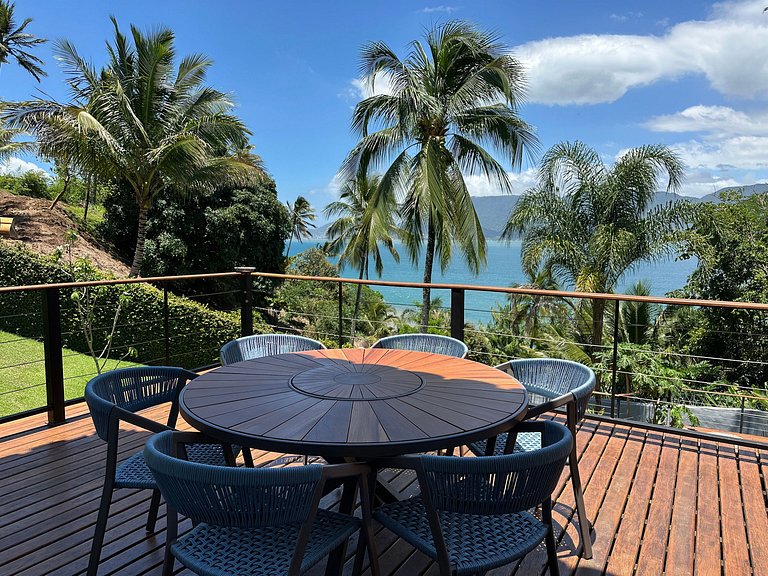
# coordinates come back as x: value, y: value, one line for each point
x: 134, y: 473
x: 526, y: 441
x: 223, y: 551
x: 475, y: 542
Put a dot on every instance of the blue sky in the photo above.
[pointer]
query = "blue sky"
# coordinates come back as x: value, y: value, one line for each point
x: 615, y: 74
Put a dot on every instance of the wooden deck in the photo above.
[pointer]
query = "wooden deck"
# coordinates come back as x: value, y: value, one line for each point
x: 660, y: 503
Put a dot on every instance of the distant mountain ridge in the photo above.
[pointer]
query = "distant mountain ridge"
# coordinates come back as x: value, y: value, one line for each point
x: 493, y: 211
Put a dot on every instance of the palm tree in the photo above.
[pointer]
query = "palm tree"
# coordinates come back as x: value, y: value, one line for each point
x: 302, y: 215
x: 361, y: 226
x: 450, y: 98
x: 140, y: 120
x: 590, y: 223
x: 14, y: 41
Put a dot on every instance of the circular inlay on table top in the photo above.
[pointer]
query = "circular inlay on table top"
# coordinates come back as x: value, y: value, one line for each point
x: 346, y: 381
x: 353, y: 402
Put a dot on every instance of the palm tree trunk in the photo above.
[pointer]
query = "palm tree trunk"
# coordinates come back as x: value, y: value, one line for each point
x: 290, y: 239
x: 138, y: 255
x: 89, y: 184
x: 598, y: 311
x: 358, y: 293
x: 426, y: 292
x: 63, y: 191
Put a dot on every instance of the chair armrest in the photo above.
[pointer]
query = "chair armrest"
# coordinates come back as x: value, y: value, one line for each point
x: 137, y: 420
x: 539, y: 409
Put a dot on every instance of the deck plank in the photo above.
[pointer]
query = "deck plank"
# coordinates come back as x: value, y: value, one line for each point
x: 735, y: 551
x: 646, y: 492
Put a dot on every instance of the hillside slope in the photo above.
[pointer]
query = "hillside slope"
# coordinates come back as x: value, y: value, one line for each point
x: 42, y: 230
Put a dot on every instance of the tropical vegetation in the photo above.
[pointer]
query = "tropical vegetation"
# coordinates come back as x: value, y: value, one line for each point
x: 588, y: 224
x: 15, y: 41
x: 452, y: 97
x: 361, y: 225
x: 143, y: 121
x: 302, y: 216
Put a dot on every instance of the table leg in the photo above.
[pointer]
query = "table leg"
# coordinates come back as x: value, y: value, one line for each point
x: 346, y: 506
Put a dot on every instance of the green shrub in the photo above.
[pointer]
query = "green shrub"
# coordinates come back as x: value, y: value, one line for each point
x: 196, y: 331
x: 33, y: 183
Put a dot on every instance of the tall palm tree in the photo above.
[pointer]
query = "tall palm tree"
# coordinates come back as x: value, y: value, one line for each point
x: 591, y: 223
x: 361, y: 226
x: 139, y: 119
x: 450, y: 97
x: 14, y: 42
x: 302, y: 215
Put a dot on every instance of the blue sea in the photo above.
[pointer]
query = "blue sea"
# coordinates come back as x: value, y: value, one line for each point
x: 503, y: 269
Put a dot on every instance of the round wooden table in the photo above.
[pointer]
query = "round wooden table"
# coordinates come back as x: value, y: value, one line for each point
x: 353, y: 403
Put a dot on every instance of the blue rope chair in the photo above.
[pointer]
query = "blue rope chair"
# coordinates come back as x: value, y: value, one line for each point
x: 425, y: 343
x: 472, y: 515
x: 260, y: 345
x: 252, y: 521
x: 116, y: 396
x: 561, y: 383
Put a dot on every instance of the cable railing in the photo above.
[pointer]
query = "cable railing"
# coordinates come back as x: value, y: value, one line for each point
x: 169, y: 336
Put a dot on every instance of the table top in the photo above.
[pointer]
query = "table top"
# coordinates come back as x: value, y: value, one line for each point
x: 353, y: 402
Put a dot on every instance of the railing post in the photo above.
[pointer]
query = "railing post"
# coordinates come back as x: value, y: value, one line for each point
x: 615, y: 357
x: 54, y: 365
x: 166, y: 325
x: 457, y: 313
x: 341, y: 314
x: 741, y: 417
x: 246, y: 300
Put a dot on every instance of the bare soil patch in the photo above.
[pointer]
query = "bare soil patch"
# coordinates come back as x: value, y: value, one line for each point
x: 42, y: 230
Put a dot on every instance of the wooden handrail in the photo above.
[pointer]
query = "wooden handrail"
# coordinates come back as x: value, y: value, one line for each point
x: 434, y: 286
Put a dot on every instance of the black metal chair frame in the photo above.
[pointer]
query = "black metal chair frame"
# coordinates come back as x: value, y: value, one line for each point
x: 119, y: 414
x: 413, y: 462
x: 332, y: 473
x: 570, y: 401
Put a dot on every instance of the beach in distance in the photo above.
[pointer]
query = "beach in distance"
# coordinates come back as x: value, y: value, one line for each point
x: 503, y: 269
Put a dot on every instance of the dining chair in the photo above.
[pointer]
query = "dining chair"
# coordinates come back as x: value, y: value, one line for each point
x: 425, y: 343
x: 561, y: 383
x: 260, y: 345
x: 252, y: 521
x: 472, y: 514
x: 116, y: 396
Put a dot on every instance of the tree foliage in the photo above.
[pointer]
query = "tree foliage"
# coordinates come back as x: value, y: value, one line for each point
x: 730, y: 241
x: 453, y: 97
x: 590, y: 223
x: 15, y: 41
x: 144, y: 120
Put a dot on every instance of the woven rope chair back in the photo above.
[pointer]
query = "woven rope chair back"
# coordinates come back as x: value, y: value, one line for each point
x: 492, y: 485
x: 553, y: 377
x: 260, y: 345
x: 231, y: 496
x: 133, y: 389
x: 425, y: 343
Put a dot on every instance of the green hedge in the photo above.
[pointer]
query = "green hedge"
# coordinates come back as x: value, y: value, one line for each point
x: 197, y: 332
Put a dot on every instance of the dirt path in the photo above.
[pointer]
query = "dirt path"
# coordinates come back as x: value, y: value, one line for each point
x: 43, y: 230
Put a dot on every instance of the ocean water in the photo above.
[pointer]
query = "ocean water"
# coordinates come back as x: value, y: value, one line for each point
x: 503, y: 269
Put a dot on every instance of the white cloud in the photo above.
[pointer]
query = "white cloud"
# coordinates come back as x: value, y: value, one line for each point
x: 715, y: 120
x: 728, y: 49
x: 16, y: 167
x: 481, y: 186
x: 441, y: 8
x: 361, y: 87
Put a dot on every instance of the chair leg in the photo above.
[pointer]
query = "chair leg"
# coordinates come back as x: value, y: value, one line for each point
x: 168, y: 561
x: 101, y: 527
x: 154, y: 507
x: 247, y: 457
x: 585, y: 531
x: 546, y: 513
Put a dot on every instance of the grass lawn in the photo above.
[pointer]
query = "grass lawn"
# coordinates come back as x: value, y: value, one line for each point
x: 95, y: 215
x: 22, y: 373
